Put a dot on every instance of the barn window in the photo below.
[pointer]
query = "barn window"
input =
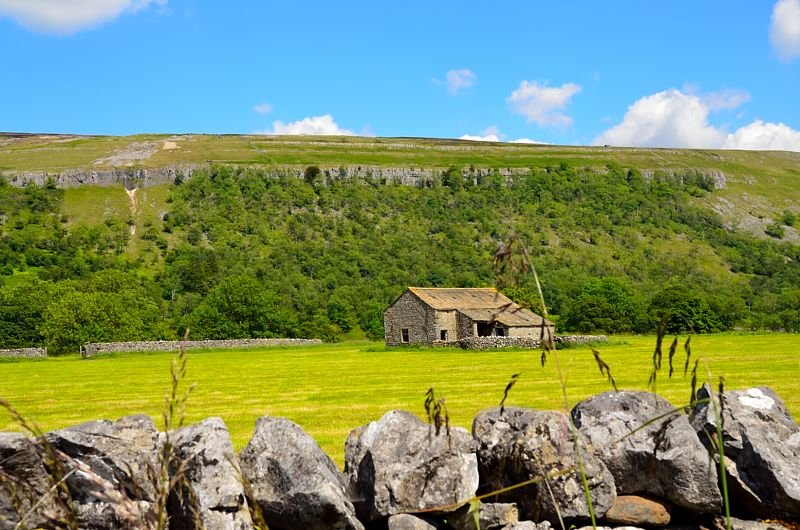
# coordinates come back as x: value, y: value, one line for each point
x: 404, y: 334
x: 443, y: 334
x: 500, y: 332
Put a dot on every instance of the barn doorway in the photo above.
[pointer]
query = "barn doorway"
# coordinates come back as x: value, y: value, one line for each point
x: 485, y: 329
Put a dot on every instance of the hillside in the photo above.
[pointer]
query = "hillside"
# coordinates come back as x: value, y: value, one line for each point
x: 754, y: 187
x: 251, y: 235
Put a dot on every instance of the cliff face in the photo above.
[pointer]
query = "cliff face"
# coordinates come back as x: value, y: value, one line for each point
x: 128, y: 177
x: 409, y: 176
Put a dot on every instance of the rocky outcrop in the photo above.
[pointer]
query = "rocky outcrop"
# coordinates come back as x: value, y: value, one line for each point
x: 622, y: 430
x: 399, y: 464
x: 128, y: 177
x: 762, y: 448
x: 519, y: 445
x: 297, y: 486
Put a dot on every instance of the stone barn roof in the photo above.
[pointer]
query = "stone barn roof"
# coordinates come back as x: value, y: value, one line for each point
x: 479, y: 304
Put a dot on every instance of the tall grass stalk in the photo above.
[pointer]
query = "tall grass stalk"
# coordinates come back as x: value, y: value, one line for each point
x: 508, y: 268
x: 720, y: 446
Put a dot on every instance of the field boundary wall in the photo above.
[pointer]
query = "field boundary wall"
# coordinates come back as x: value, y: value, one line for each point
x: 96, y: 348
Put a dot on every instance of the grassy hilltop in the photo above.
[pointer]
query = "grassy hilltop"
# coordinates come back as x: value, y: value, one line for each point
x: 758, y: 185
x: 620, y: 236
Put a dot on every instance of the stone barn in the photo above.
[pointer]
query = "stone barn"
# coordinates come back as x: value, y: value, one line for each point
x: 427, y: 315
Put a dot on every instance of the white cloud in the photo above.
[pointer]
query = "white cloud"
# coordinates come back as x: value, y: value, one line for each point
x: 542, y: 104
x: 458, y: 80
x: 675, y: 119
x: 490, y: 134
x: 765, y: 137
x: 784, y: 30
x: 670, y: 118
x: 69, y: 16
x: 314, y: 125
x: 726, y: 99
x: 528, y: 141
x: 263, y: 108
x: 475, y: 138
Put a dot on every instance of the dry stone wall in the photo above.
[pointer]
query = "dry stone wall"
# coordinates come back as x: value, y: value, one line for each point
x: 25, y: 353
x: 97, y: 348
x: 401, y: 473
x: 574, y: 340
x: 489, y: 343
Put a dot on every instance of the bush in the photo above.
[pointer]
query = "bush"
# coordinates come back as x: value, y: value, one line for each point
x: 775, y: 230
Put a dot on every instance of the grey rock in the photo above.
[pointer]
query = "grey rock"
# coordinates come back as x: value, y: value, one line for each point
x: 491, y: 516
x: 528, y: 525
x: 762, y: 446
x: 678, y: 467
x: 294, y: 482
x: 112, y: 466
x: 213, y: 482
x: 398, y: 465
x: 404, y: 521
x: 24, y: 481
x: 524, y: 444
x: 106, y: 515
x: 123, y: 452
x: 741, y: 524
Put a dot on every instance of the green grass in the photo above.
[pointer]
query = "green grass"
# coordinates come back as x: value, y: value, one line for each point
x: 90, y: 205
x: 333, y: 388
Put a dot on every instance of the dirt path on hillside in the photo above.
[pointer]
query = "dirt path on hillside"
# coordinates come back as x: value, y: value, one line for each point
x: 134, y: 206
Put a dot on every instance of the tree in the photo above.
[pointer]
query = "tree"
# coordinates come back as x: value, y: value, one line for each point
x: 610, y: 305
x: 453, y: 179
x: 21, y: 312
x: 683, y: 310
x: 239, y: 307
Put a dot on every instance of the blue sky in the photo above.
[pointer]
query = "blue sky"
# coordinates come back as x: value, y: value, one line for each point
x: 707, y: 74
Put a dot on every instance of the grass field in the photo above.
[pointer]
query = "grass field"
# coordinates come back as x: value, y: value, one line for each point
x: 332, y: 388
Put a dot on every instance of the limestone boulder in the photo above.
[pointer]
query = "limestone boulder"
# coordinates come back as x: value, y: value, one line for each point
x: 399, y: 464
x: 112, y: 467
x: 297, y: 485
x: 404, y: 521
x: 762, y: 448
x: 212, y: 493
x: 24, y: 481
x: 491, y: 516
x: 528, y: 525
x: 664, y: 459
x: 520, y: 445
x: 123, y: 452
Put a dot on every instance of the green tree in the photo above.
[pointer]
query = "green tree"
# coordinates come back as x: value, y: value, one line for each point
x: 684, y: 309
x: 609, y: 305
x: 240, y: 307
x: 21, y: 312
